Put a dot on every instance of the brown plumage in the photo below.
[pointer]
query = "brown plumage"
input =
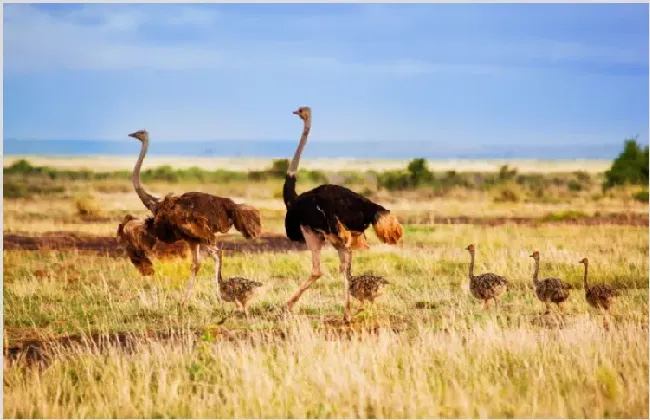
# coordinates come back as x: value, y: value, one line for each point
x: 367, y: 287
x: 132, y: 234
x: 600, y: 295
x: 485, y: 286
x: 193, y: 217
x: 334, y: 214
x: 550, y: 289
x: 236, y: 289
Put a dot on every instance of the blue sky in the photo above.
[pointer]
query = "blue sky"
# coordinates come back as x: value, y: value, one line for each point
x: 478, y: 74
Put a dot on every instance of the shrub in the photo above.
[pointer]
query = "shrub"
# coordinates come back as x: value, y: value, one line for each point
x: 419, y: 172
x: 87, y: 206
x: 575, y: 186
x: 630, y: 167
x: 641, y: 196
x: 279, y: 167
x: 14, y: 190
x: 507, y: 195
x: 506, y: 174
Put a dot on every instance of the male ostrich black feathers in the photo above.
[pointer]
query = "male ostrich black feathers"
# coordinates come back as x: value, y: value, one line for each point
x: 334, y: 214
x: 193, y: 217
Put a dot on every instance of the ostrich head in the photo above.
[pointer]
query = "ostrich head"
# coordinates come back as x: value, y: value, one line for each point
x: 535, y: 255
x: 584, y: 261
x: 304, y: 112
x: 470, y: 248
x: 141, y: 135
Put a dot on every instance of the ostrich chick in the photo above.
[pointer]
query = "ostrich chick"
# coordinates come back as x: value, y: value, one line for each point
x: 365, y: 287
x: 599, y: 296
x: 485, y: 286
x: 236, y: 289
x: 550, y: 289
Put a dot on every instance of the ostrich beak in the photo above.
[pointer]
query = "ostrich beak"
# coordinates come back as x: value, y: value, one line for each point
x: 531, y: 256
x: 132, y: 135
x: 297, y: 112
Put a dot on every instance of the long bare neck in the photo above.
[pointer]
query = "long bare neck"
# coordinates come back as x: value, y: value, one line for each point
x: 149, y: 201
x: 293, y: 167
x: 471, y: 265
x: 585, y: 280
x: 289, y: 189
x: 536, y: 273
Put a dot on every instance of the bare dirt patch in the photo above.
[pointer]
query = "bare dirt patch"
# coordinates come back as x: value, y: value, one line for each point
x: 107, y: 245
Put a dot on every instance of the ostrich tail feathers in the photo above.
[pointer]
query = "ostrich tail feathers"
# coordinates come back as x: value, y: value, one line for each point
x: 388, y: 229
x: 247, y: 220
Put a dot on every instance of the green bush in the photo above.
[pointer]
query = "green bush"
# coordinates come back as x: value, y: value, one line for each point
x: 630, y: 167
x: 279, y: 167
x: 14, y: 190
x: 641, y: 196
x: 506, y: 174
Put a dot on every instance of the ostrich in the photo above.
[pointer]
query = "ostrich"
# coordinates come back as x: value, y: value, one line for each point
x: 236, y: 289
x: 485, y: 286
x: 598, y: 296
x: 334, y: 214
x: 550, y: 289
x: 193, y: 217
x: 133, y: 235
x: 365, y: 287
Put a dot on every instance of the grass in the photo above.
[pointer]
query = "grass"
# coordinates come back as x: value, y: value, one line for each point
x: 450, y: 358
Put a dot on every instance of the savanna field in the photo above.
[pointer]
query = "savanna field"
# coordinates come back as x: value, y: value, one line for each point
x: 85, y: 335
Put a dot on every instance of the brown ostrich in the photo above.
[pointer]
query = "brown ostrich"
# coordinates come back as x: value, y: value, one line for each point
x: 334, y: 214
x: 550, y: 289
x: 485, y: 286
x: 193, y: 217
x: 600, y: 295
x: 133, y: 236
x: 236, y: 289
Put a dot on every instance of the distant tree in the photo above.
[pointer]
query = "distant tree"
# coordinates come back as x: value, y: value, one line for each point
x: 630, y: 167
x: 419, y: 172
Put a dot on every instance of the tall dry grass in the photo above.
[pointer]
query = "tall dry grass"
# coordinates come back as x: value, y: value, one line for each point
x: 484, y: 371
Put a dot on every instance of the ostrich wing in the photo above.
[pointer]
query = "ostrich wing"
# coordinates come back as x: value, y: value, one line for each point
x: 200, y: 216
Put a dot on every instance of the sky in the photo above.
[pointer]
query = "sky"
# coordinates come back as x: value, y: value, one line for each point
x: 472, y: 74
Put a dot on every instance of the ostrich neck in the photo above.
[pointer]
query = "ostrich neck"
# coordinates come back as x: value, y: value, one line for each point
x: 293, y: 167
x: 471, y: 265
x: 585, y: 280
x: 147, y: 199
x: 536, y: 273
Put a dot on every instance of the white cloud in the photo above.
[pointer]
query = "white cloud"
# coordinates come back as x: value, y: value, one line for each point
x: 123, y: 36
x: 105, y: 37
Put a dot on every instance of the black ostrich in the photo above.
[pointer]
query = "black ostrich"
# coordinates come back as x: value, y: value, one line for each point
x: 331, y: 213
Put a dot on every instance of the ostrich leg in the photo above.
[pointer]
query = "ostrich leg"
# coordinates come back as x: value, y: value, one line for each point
x: 314, y: 243
x: 345, y: 255
x: 213, y: 251
x: 196, y: 264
